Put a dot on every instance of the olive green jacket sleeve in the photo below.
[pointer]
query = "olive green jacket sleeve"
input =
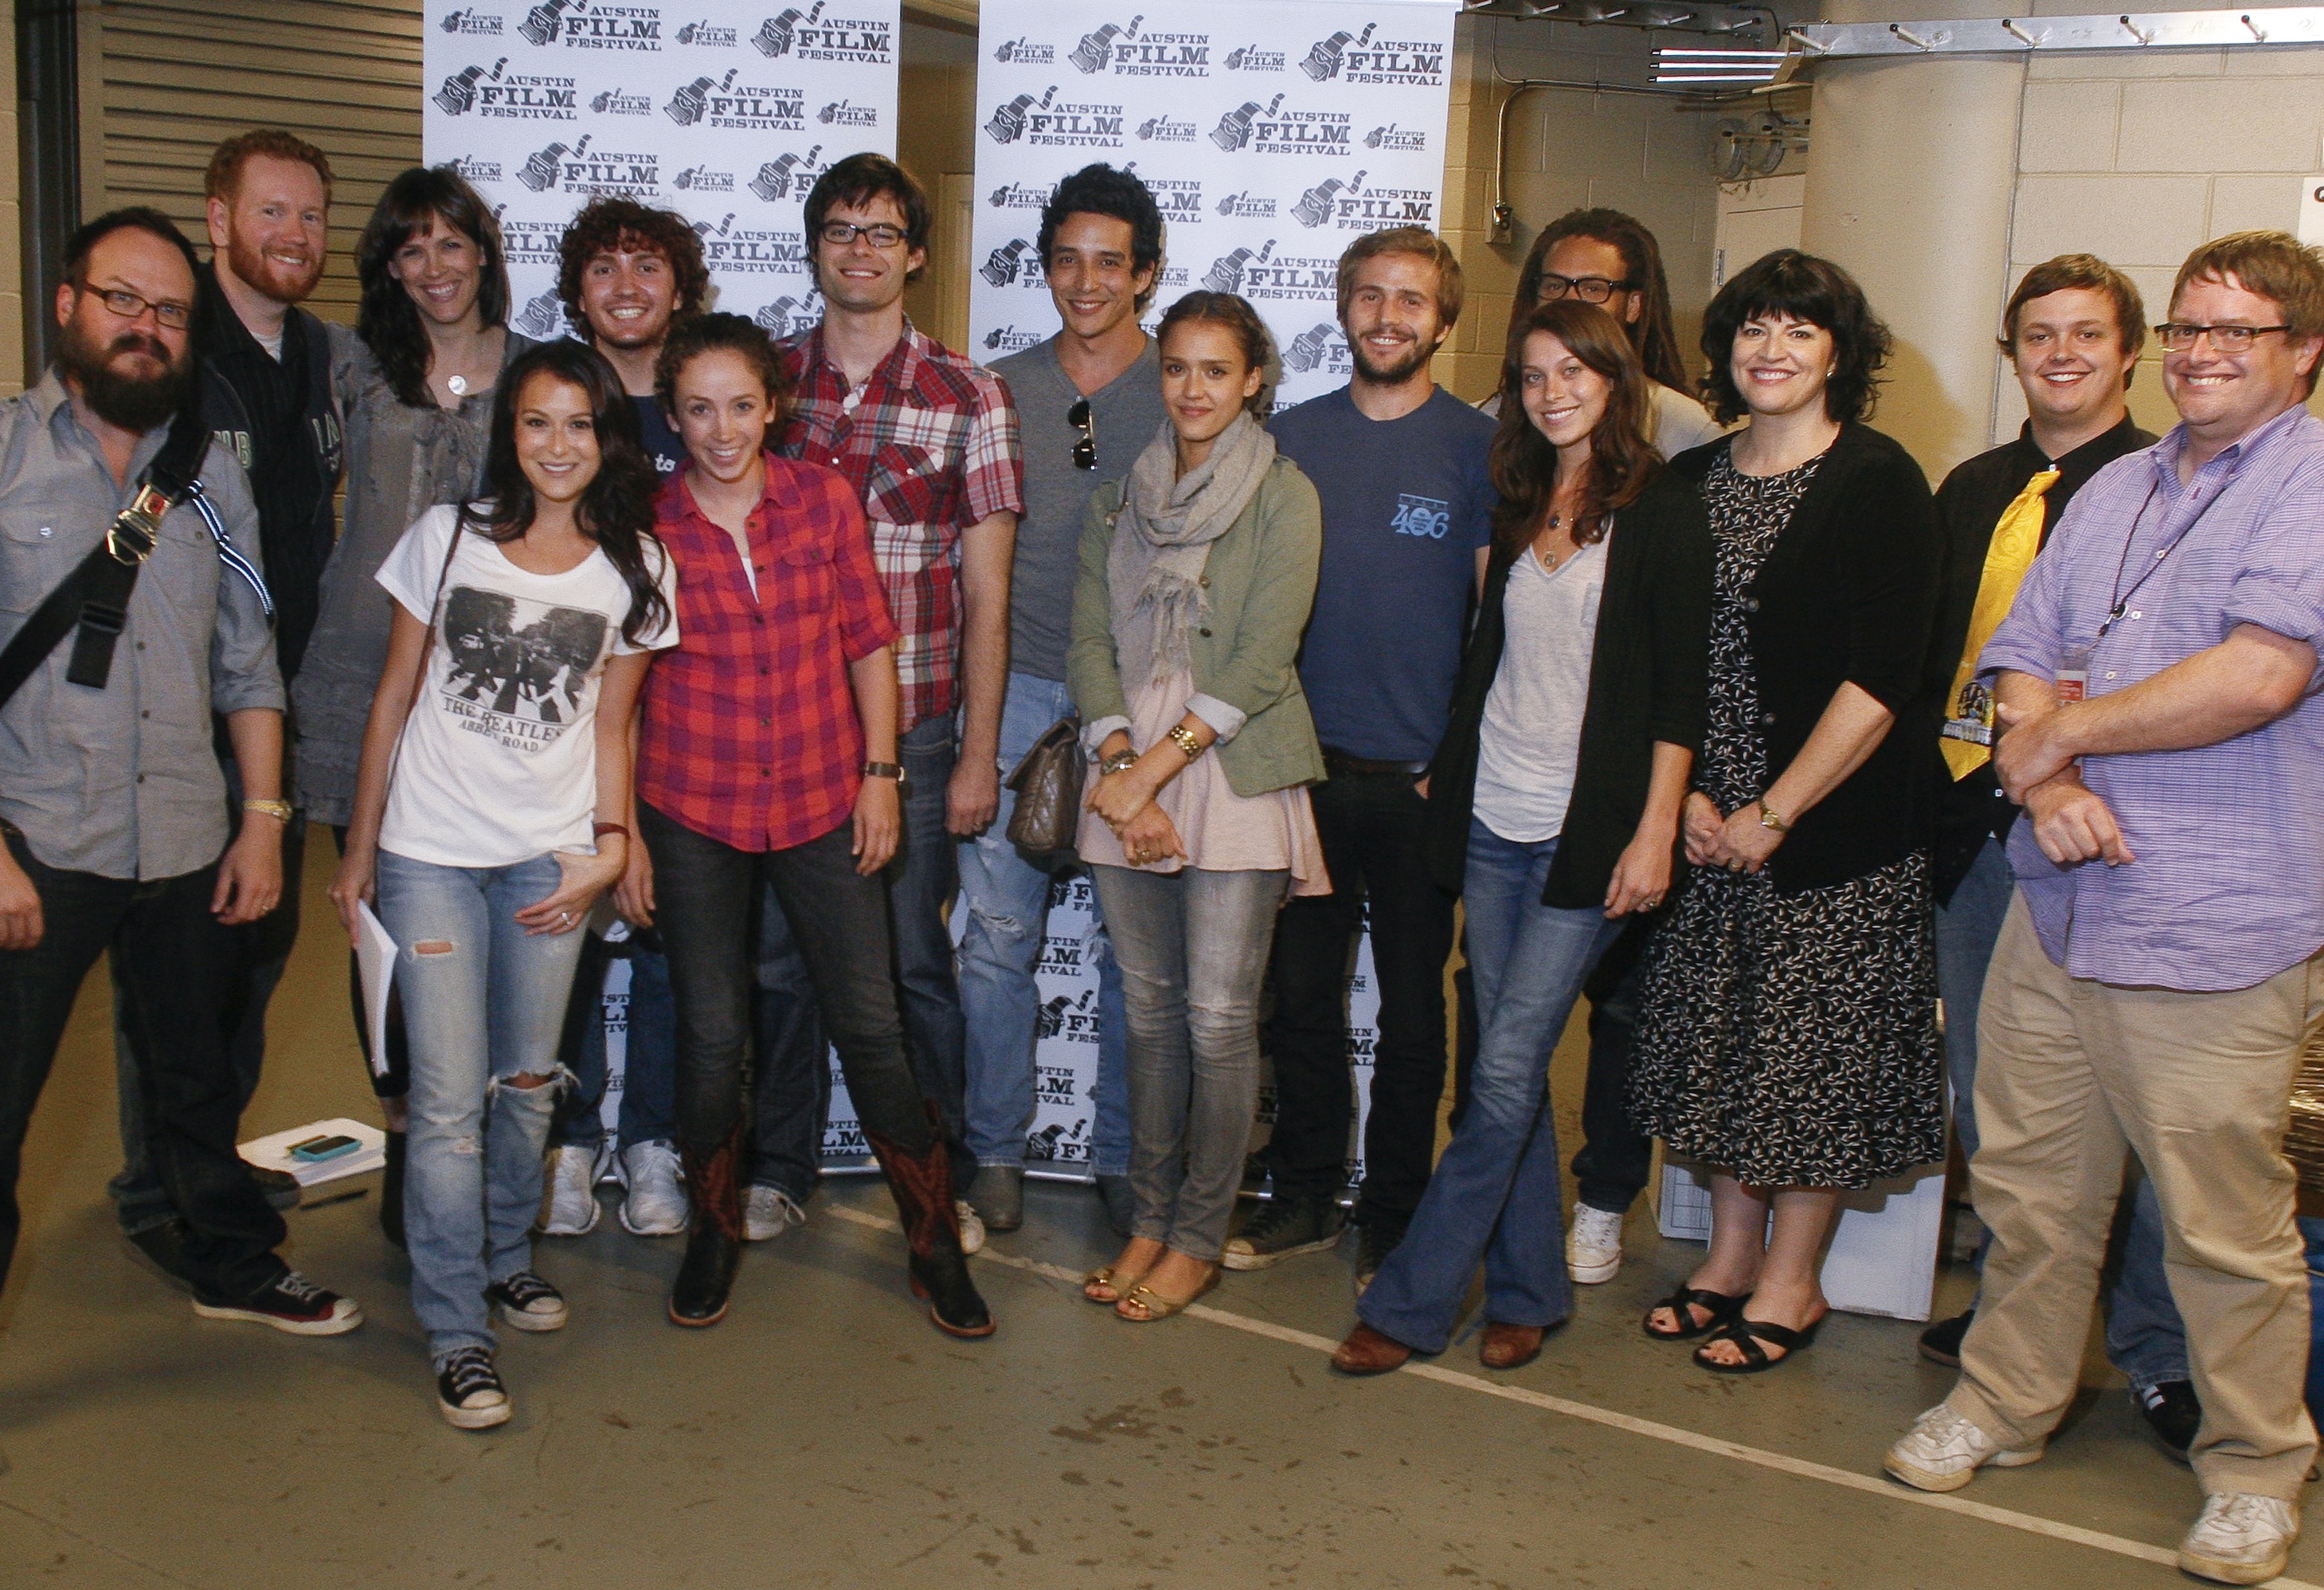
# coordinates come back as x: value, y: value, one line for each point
x: 1091, y: 672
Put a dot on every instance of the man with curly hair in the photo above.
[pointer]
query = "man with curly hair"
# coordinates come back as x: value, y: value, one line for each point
x: 626, y: 273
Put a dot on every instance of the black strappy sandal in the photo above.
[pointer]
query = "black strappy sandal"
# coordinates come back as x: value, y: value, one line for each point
x: 1748, y: 1334
x: 1723, y: 1310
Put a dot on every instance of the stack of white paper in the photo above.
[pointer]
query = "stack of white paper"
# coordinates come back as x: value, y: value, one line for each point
x: 274, y: 1152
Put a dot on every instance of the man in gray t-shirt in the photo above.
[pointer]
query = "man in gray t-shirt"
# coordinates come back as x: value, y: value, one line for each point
x: 1089, y: 399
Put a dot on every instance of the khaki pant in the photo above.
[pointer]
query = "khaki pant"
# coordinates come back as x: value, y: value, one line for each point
x: 2072, y: 1073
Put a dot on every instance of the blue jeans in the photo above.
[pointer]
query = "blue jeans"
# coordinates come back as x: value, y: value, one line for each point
x: 920, y: 880
x: 2312, y: 1235
x: 2146, y: 1337
x: 1494, y: 1195
x: 488, y: 1009
x: 1008, y: 900
x: 649, y: 1052
x: 1967, y: 929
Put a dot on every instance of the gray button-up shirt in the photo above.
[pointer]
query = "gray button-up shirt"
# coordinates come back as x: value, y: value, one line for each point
x: 124, y: 781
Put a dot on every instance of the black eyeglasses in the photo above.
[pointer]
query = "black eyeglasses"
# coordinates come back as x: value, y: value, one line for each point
x: 844, y: 233
x: 1085, y: 449
x: 1588, y: 289
x: 2177, y: 335
x: 169, y: 313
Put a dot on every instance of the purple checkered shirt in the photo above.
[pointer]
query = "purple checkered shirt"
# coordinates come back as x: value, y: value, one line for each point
x: 2228, y: 886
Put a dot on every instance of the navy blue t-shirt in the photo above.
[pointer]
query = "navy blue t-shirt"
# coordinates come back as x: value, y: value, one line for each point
x: 662, y: 445
x: 1406, y: 504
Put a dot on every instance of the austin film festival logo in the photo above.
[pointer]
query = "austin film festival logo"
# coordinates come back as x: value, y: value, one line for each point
x: 1056, y: 122
x: 1179, y: 199
x: 469, y: 21
x: 1273, y: 130
x: 1015, y: 264
x: 1247, y: 206
x: 592, y: 24
x: 729, y: 249
x: 812, y: 36
x: 788, y: 175
x: 1361, y: 59
x: 846, y: 113
x: 1019, y: 196
x: 480, y: 172
x: 1319, y: 347
x: 1162, y: 129
x: 1400, y: 139
x: 1009, y: 339
x: 530, y: 243
x: 1126, y: 52
x: 721, y: 102
x: 1250, y: 57
x: 526, y: 97
x: 790, y: 317
x: 543, y: 318
x: 613, y: 102
x: 709, y: 35
x: 702, y: 180
x: 1269, y: 275
x: 1024, y: 53
x: 1353, y: 208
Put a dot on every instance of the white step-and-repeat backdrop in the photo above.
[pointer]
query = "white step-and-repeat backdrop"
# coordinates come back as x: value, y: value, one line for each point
x: 724, y: 113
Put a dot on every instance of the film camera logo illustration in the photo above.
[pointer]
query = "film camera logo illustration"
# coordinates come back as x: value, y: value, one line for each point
x: 847, y: 114
x: 702, y: 180
x: 686, y: 107
x: 707, y: 34
x: 544, y: 21
x: 1024, y: 53
x: 1008, y: 340
x: 1234, y: 131
x: 1226, y: 271
x: 543, y: 318
x: 467, y: 20
x: 1315, y: 206
x: 540, y: 170
x: 1019, y: 196
x: 713, y: 229
x: 1096, y: 49
x: 788, y: 316
x: 779, y: 177
x: 613, y: 102
x: 1328, y: 55
x: 779, y: 32
x: 1250, y: 57
x: 1248, y: 205
x: 1392, y: 136
x: 1009, y: 120
x: 472, y: 169
x: 1006, y: 263
x: 457, y: 96
x: 1310, y: 349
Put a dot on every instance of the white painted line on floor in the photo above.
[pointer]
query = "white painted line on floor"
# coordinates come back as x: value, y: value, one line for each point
x: 1800, y: 1467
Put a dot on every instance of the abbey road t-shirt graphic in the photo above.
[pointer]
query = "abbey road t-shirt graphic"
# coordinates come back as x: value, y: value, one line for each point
x: 498, y: 763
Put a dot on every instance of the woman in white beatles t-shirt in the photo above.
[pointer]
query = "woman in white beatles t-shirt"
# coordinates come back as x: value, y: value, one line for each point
x: 488, y: 818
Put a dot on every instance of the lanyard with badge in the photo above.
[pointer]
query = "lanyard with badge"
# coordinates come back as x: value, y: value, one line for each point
x: 2074, y: 666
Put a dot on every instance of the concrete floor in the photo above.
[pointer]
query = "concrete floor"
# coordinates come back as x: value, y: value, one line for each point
x: 826, y: 1436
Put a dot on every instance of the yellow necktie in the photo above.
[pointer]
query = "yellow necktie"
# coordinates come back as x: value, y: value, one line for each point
x: 2016, y: 539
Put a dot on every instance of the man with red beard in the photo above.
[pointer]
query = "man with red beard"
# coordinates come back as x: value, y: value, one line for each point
x: 263, y: 384
x: 113, y: 806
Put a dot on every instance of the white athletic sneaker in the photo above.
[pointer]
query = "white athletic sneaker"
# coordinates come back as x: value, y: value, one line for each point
x: 971, y: 1226
x: 2240, y: 1539
x: 1943, y: 1451
x: 656, y: 1205
x: 1593, y: 1248
x: 569, y: 1207
x: 769, y: 1214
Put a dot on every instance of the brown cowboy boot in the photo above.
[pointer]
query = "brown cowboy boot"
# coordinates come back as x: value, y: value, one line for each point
x: 921, y: 1184
x: 714, y: 1244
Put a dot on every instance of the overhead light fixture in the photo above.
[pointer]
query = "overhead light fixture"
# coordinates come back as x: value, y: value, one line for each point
x: 1718, y: 66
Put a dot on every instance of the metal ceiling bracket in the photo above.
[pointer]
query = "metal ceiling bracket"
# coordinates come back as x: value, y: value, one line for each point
x: 2166, y: 29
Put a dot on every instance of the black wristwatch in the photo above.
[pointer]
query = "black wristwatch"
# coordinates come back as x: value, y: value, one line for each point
x: 885, y: 770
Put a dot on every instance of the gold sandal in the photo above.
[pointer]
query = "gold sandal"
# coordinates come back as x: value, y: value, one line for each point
x: 1105, y: 1275
x: 1158, y: 1307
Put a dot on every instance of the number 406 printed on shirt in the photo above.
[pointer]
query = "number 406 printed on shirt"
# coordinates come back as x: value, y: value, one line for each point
x: 1426, y: 516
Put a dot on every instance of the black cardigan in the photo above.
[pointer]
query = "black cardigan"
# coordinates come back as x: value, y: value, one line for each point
x: 1647, y: 682
x: 1847, y: 595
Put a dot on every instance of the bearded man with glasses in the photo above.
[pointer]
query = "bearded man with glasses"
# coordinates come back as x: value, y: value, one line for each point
x: 2158, y: 969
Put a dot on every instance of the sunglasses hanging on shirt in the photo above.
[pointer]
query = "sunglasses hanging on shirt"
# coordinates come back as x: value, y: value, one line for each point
x: 1086, y: 449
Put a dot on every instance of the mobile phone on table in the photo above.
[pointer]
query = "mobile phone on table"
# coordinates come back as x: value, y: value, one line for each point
x: 328, y: 1146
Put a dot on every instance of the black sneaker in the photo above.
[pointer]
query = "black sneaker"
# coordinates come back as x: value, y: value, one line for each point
x: 1285, y: 1226
x: 527, y: 1302
x: 1941, y: 1343
x: 1374, y: 1243
x: 289, y: 1302
x: 468, y: 1391
x: 2172, y: 1416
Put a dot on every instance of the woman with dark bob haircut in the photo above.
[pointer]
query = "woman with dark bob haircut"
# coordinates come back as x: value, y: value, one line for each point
x: 1787, y: 1037
x: 414, y: 381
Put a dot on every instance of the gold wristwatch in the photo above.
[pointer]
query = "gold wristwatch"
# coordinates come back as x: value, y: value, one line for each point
x: 279, y: 810
x: 1769, y: 817
x: 1183, y: 739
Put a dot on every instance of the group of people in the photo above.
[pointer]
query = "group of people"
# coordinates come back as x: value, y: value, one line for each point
x: 671, y: 641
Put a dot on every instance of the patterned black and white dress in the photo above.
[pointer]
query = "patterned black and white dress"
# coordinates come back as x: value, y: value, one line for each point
x: 1790, y: 1039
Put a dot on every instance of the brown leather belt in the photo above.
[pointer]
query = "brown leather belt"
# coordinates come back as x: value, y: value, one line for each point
x: 1340, y: 762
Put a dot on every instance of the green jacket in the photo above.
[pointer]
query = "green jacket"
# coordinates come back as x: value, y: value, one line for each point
x: 1261, y: 581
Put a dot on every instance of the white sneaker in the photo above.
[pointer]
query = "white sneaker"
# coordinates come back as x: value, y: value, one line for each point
x: 569, y: 1207
x: 656, y: 1205
x: 769, y: 1213
x: 971, y: 1226
x: 2240, y: 1539
x: 1943, y: 1451
x: 1593, y: 1247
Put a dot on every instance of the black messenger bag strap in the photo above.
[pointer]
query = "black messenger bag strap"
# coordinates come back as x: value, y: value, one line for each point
x: 95, y: 597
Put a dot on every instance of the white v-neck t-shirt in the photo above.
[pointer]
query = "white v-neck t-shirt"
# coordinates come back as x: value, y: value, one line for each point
x: 1532, y: 737
x: 498, y: 762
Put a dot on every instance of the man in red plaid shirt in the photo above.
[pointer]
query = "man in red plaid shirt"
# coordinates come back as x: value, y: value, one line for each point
x: 930, y: 442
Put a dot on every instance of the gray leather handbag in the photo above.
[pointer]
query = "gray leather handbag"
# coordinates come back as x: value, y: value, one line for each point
x: 1047, y: 783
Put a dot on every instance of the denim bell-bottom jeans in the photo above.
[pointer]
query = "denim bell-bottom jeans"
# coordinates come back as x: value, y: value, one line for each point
x: 1494, y: 1197
x: 488, y: 1009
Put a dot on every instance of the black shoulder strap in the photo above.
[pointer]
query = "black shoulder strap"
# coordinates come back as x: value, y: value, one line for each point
x: 95, y: 597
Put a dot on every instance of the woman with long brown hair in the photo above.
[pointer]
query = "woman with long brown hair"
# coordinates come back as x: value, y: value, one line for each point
x: 1554, y: 807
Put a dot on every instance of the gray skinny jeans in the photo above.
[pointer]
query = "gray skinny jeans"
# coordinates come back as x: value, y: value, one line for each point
x: 1193, y: 948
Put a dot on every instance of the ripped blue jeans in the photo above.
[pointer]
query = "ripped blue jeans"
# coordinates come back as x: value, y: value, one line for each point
x: 487, y: 1006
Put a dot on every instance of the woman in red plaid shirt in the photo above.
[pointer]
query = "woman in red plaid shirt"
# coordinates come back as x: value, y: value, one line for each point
x: 768, y: 756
